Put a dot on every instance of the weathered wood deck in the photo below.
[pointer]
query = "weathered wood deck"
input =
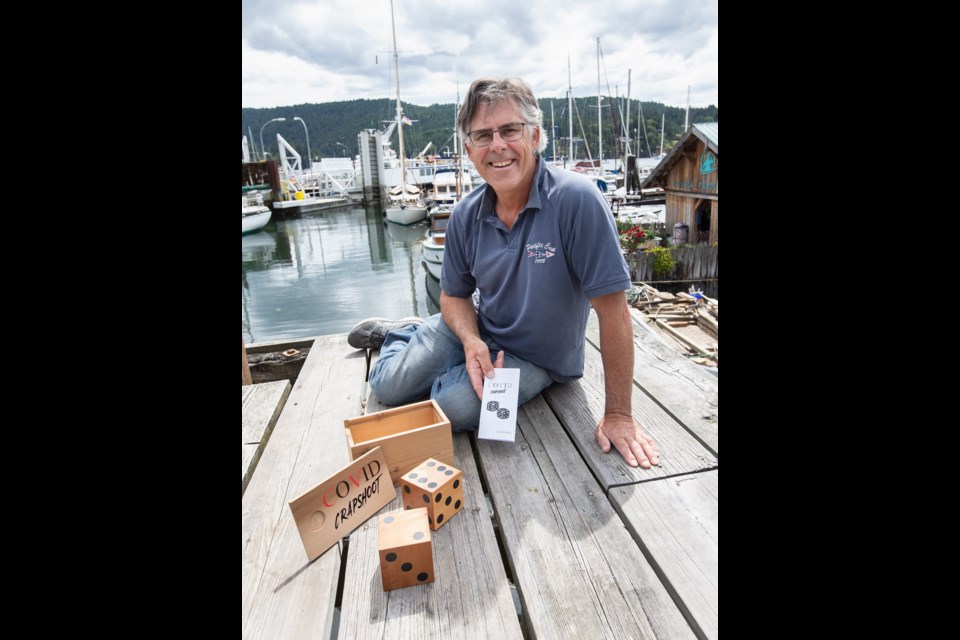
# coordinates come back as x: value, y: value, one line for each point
x: 557, y: 540
x: 262, y: 404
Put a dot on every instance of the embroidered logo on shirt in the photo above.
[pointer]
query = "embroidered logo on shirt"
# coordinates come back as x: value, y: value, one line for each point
x: 540, y: 251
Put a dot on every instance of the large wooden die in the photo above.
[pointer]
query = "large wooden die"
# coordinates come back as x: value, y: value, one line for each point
x: 436, y: 486
x: 406, y: 550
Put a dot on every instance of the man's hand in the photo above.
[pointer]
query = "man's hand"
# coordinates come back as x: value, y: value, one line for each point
x: 632, y: 443
x: 477, y: 356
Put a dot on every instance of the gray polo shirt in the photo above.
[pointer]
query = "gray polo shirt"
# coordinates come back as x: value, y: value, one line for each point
x: 535, y: 280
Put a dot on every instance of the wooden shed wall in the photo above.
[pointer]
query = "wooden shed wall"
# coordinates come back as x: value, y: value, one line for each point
x: 686, y: 188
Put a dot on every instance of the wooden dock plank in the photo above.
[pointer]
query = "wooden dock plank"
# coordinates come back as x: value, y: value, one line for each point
x: 683, y: 389
x: 677, y: 521
x: 557, y: 522
x: 283, y: 595
x: 472, y: 601
x: 579, y: 406
x: 260, y: 407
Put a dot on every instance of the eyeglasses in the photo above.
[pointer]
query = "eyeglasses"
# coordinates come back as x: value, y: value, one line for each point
x: 508, y: 133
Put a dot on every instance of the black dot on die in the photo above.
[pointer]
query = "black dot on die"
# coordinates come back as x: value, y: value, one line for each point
x: 432, y: 485
x: 441, y: 467
x: 448, y: 472
x: 431, y: 463
x: 422, y: 576
x: 439, y: 497
x: 406, y: 489
x: 422, y: 480
x: 391, y: 557
x: 418, y: 535
x: 447, y: 501
x: 439, y: 518
x: 406, y: 566
x: 426, y: 498
x: 456, y: 505
x: 456, y: 483
x: 388, y: 519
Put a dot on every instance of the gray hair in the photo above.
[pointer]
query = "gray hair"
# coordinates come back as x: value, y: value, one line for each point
x: 493, y: 91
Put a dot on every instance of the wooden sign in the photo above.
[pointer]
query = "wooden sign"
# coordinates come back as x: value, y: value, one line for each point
x: 341, y: 503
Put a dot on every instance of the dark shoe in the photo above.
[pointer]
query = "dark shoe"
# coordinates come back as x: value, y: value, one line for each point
x: 370, y: 333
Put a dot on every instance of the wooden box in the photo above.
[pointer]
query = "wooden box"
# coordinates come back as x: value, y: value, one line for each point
x: 408, y: 435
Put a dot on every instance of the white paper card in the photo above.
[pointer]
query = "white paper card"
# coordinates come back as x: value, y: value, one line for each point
x: 498, y: 410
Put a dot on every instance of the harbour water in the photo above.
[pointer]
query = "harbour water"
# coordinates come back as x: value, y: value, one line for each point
x: 321, y: 274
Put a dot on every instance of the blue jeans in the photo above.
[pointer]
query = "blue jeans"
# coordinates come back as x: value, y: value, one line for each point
x: 417, y: 360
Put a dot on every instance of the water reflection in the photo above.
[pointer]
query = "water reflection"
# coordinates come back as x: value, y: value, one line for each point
x: 376, y: 230
x: 258, y: 248
x: 433, y: 293
x: 321, y: 274
x: 406, y: 235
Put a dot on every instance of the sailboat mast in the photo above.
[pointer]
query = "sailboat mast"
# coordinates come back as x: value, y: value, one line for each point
x: 570, y: 107
x: 456, y: 145
x: 553, y: 134
x: 456, y: 112
x: 663, y: 131
x: 396, y: 67
x: 626, y: 125
x: 599, y: 128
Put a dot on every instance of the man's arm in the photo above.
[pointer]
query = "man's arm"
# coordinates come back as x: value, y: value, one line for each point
x: 616, y: 349
x: 461, y: 317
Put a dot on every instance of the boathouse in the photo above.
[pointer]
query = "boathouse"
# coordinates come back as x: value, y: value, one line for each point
x: 690, y: 178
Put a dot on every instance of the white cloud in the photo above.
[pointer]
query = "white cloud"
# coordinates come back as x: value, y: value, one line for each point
x: 330, y: 50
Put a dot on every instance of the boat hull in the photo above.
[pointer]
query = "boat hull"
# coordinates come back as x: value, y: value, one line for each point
x: 406, y: 215
x: 433, y: 257
x: 254, y: 218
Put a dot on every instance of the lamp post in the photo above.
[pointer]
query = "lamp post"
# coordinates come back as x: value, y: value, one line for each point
x: 344, y: 148
x: 262, y: 148
x: 309, y: 159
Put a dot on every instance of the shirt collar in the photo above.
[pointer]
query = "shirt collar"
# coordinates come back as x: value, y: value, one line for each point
x: 486, y: 209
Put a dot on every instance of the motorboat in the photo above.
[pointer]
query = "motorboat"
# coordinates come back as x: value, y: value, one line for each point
x: 434, y: 244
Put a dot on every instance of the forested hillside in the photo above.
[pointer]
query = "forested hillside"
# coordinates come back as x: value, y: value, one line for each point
x: 333, y: 126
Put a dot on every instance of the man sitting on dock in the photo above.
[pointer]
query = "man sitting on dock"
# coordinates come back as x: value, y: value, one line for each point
x: 540, y: 245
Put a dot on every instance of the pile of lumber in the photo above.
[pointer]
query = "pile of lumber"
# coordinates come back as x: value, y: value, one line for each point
x: 689, y: 322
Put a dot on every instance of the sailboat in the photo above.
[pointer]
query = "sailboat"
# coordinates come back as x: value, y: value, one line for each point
x: 406, y: 204
x: 255, y: 214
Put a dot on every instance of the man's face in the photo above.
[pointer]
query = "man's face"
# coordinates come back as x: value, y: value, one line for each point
x: 508, y: 167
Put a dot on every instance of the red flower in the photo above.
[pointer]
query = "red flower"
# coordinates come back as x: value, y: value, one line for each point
x: 632, y: 238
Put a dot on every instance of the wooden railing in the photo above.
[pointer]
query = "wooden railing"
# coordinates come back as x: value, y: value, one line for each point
x: 693, y: 262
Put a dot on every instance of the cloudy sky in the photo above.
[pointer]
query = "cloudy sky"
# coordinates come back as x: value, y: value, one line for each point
x: 303, y: 51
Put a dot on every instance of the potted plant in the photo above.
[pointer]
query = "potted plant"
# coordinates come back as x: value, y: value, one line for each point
x: 635, y: 238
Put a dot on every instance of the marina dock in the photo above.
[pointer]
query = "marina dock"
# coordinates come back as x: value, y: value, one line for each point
x: 556, y: 539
